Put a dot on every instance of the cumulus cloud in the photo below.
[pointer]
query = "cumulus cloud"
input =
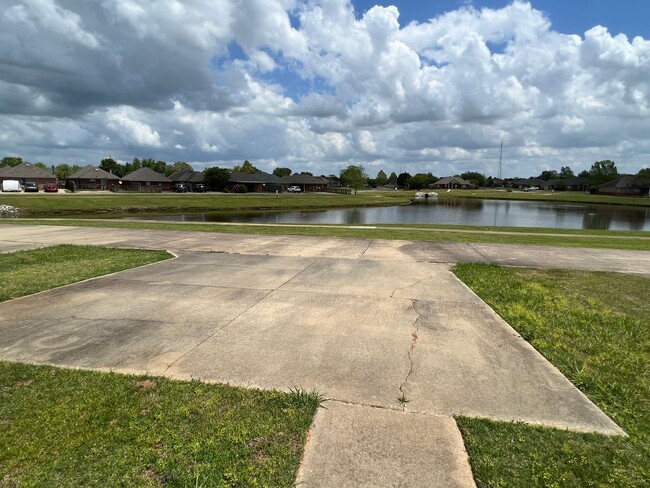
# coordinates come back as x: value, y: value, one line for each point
x: 317, y: 84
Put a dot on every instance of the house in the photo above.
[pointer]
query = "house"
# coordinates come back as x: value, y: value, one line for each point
x: 92, y: 178
x: 25, y: 172
x: 579, y: 183
x: 257, y: 182
x: 453, y: 182
x: 306, y: 182
x: 188, y: 176
x: 630, y: 185
x: 146, y: 180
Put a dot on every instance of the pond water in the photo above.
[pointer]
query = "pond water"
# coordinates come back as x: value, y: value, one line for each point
x: 496, y: 213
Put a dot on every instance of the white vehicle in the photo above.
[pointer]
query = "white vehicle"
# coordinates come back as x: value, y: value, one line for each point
x: 11, y: 185
x: 294, y: 189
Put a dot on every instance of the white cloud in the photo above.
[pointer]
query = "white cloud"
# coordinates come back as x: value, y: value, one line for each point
x: 315, y: 84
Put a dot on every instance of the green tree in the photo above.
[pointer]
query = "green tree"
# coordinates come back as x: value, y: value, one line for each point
x: 216, y: 178
x: 602, y: 172
x: 474, y: 177
x: 41, y: 165
x: 419, y: 181
x: 282, y: 172
x: 583, y: 174
x: 112, y: 166
x: 63, y: 170
x: 392, y: 179
x: 566, y: 172
x: 403, y: 179
x: 548, y: 175
x: 176, y: 167
x: 355, y: 177
x: 246, y: 167
x: 381, y: 178
x: 11, y: 161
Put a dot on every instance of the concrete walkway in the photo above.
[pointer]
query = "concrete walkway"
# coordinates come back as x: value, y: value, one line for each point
x: 363, y: 322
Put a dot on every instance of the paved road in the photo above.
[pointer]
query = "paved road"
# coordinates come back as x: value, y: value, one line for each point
x: 364, y: 322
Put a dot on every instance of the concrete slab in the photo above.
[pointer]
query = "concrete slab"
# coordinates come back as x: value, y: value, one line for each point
x: 355, y: 330
x: 356, y: 446
x: 6, y: 246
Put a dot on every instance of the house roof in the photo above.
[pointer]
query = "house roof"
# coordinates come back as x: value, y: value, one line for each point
x: 182, y: 175
x: 26, y: 170
x: 578, y: 180
x: 259, y: 177
x: 146, y: 174
x: 196, y: 177
x: 303, y: 180
x: 451, y: 180
x: 623, y: 181
x: 91, y: 172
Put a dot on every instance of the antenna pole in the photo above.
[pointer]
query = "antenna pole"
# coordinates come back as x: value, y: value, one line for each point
x: 500, y: 161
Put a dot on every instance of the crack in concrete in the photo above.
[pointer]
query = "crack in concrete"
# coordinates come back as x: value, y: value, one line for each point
x: 487, y: 260
x: 414, y: 340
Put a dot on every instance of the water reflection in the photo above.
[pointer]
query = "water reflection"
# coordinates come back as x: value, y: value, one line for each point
x: 477, y: 212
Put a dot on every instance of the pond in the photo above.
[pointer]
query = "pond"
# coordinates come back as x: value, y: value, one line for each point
x: 494, y: 213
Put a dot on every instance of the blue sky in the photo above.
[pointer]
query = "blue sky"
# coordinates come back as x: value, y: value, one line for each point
x: 315, y: 85
x: 630, y: 17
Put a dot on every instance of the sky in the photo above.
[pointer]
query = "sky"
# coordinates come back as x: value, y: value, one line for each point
x: 316, y: 85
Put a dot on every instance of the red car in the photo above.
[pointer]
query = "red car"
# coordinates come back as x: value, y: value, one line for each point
x: 50, y: 187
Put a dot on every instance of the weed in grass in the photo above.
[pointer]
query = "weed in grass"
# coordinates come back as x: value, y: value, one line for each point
x: 299, y: 397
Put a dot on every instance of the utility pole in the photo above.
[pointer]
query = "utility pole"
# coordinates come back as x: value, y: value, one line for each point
x: 500, y: 161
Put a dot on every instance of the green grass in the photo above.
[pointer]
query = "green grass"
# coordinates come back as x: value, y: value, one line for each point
x: 26, y: 272
x: 120, y: 203
x: 63, y: 428
x: 608, y: 240
x: 595, y: 327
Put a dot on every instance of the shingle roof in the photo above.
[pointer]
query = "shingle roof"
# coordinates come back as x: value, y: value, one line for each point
x: 146, y: 174
x: 182, y: 175
x: 452, y: 179
x: 259, y: 177
x: 90, y: 172
x: 303, y: 180
x: 26, y: 170
x: 623, y: 181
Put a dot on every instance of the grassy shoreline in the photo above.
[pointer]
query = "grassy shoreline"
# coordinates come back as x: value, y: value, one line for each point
x: 616, y: 240
x: 120, y: 203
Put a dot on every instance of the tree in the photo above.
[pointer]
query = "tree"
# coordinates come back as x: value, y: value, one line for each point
x: 403, y: 179
x: 419, y: 181
x: 11, y: 161
x: 583, y: 174
x: 566, y: 173
x: 474, y: 177
x: 112, y: 166
x: 63, y: 170
x: 354, y: 176
x: 157, y: 166
x: 41, y: 165
x: 381, y: 178
x: 392, y: 179
x: 282, y: 172
x: 216, y: 178
x: 602, y: 172
x: 548, y: 175
x: 246, y: 167
x: 176, y: 167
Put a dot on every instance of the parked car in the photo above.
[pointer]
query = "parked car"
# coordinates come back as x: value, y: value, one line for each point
x: 30, y: 186
x: 199, y: 188
x: 294, y: 189
x: 180, y: 188
x: 50, y: 188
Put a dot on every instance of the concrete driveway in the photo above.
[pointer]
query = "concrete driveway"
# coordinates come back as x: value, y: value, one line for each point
x: 338, y: 316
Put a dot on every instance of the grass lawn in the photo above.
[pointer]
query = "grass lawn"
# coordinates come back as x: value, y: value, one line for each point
x: 544, y: 237
x: 595, y: 327
x: 26, y: 272
x: 62, y: 427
